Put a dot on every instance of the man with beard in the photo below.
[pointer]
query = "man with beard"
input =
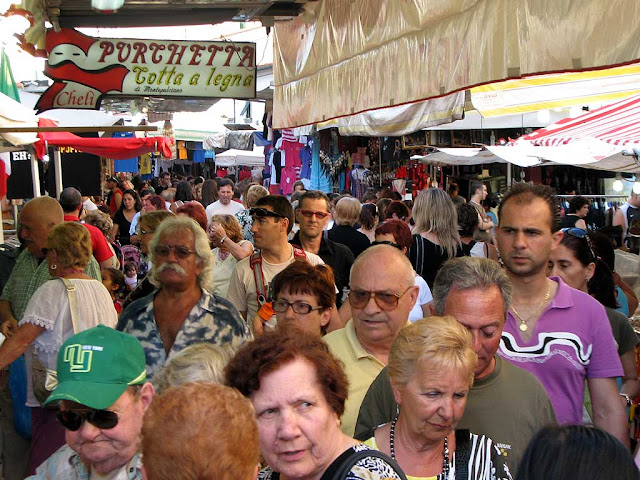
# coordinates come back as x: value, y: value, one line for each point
x: 102, y: 396
x: 181, y: 311
x: 249, y: 284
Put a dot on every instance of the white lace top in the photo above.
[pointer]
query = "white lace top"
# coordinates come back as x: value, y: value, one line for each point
x: 49, y: 308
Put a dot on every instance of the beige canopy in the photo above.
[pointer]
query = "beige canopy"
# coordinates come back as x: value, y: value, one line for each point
x: 346, y: 57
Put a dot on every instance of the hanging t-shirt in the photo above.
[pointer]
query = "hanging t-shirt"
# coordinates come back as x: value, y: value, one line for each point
x: 305, y: 160
x: 288, y: 179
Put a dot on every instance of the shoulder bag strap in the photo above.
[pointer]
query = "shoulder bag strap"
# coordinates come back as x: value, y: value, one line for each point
x: 73, y: 303
x: 463, y: 453
x: 345, y: 467
x: 256, y: 265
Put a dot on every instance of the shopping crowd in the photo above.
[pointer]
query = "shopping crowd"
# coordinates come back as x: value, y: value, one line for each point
x: 197, y: 329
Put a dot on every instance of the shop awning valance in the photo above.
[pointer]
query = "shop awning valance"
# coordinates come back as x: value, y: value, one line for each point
x: 115, y: 148
x: 342, y: 58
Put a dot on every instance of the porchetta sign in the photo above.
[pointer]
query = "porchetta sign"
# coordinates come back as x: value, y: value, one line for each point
x: 85, y: 69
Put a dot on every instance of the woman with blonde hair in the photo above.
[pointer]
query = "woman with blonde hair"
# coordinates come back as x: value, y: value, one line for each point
x: 230, y: 247
x: 436, y: 238
x: 346, y: 214
x: 431, y: 368
x: 68, y: 304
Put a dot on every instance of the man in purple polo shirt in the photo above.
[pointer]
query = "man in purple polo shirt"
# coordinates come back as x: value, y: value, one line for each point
x: 557, y: 333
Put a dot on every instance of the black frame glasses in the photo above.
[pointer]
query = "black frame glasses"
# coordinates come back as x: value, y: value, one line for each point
x: 301, y: 308
x: 581, y: 233
x: 263, y: 212
x: 386, y: 242
x: 386, y: 301
x: 73, y: 419
x: 182, y: 252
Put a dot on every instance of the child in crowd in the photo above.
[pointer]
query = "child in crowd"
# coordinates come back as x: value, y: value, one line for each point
x: 113, y: 280
x: 131, y: 275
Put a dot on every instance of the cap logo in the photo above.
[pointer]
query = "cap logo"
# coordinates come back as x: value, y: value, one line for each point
x: 79, y: 357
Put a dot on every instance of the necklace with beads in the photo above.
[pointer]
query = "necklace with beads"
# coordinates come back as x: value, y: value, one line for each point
x: 523, y: 323
x: 445, y: 453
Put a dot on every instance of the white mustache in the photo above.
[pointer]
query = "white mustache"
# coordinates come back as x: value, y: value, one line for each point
x: 171, y: 266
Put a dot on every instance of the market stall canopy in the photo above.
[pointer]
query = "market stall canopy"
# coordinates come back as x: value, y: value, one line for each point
x: 114, y: 148
x: 342, y: 58
x: 235, y: 157
x: 557, y: 91
x: 14, y: 114
x: 603, y: 139
x: 459, y: 156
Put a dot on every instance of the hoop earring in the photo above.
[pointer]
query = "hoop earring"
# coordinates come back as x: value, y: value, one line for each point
x: 54, y: 266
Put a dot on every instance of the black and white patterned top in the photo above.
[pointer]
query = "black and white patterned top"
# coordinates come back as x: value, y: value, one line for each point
x: 368, y: 468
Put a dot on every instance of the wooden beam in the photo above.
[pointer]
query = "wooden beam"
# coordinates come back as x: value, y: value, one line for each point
x: 109, y: 129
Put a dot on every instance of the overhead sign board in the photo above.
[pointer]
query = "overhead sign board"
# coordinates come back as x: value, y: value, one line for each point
x: 85, y: 69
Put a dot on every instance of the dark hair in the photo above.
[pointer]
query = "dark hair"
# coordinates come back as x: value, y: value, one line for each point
x: 386, y: 193
x: 277, y: 348
x: 395, y: 196
x: 524, y: 194
x: 601, y: 285
x: 70, y: 199
x: 474, y: 186
x: 226, y: 182
x: 399, y: 230
x: 576, y: 203
x: 302, y: 277
x: 368, y: 215
x: 314, y: 195
x: 279, y: 205
x: 137, y: 205
x: 576, y: 451
x: 368, y: 196
x: 196, y: 211
x: 183, y: 192
x: 467, y: 219
x: 129, y: 266
x: 209, y: 192
x: 399, y: 208
x: 382, y: 204
x: 453, y: 187
x: 117, y: 278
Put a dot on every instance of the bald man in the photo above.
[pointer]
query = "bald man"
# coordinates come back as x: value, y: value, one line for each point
x: 36, y: 220
x: 380, y: 306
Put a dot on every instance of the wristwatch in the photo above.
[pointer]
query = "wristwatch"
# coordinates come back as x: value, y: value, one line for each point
x: 627, y: 398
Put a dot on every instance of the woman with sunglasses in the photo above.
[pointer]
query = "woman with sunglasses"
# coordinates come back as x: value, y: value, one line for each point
x: 577, y: 263
x: 52, y: 316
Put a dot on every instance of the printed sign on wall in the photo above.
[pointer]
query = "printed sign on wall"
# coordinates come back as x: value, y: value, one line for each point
x: 85, y: 69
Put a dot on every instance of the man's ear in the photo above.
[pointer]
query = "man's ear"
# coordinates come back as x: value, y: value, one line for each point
x: 146, y: 394
x: 557, y: 238
x: 432, y: 309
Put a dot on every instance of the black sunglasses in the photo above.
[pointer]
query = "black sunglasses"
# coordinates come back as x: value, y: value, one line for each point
x: 387, y: 242
x: 263, y: 212
x: 73, y: 419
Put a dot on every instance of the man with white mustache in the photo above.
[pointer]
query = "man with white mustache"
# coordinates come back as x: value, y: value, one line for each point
x: 181, y: 311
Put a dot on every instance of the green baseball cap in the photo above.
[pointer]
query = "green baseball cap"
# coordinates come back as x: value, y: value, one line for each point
x: 96, y: 366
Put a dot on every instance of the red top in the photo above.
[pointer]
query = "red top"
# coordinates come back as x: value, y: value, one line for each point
x: 112, y: 201
x: 99, y: 245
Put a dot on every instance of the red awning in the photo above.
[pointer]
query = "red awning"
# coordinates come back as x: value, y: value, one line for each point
x: 616, y: 124
x: 115, y: 148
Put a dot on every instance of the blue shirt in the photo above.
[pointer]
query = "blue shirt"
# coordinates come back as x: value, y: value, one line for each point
x: 211, y: 320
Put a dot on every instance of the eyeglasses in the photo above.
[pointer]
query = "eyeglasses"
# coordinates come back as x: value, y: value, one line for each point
x: 102, y: 419
x: 181, y: 251
x: 311, y: 213
x: 385, y: 301
x: 301, y: 308
x: 387, y: 242
x: 263, y: 212
x: 581, y: 233
x: 140, y: 231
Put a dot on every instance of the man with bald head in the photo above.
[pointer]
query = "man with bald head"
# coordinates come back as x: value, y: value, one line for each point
x: 37, y: 218
x: 380, y: 306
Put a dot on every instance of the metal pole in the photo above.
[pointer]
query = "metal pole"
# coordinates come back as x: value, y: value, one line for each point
x: 509, y: 174
x: 57, y: 163
x: 380, y: 161
x: 35, y: 174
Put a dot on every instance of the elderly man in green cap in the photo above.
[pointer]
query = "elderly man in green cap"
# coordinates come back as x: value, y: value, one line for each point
x: 102, y: 395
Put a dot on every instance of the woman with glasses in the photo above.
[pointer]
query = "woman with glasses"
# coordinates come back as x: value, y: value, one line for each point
x: 578, y: 264
x: 436, y: 237
x: 431, y: 369
x: 52, y: 316
x: 229, y: 248
x: 304, y: 296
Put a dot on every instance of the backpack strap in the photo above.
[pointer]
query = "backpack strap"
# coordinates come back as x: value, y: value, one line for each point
x: 255, y: 262
x: 463, y: 454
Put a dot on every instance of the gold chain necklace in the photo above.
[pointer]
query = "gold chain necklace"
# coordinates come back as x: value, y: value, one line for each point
x: 523, y: 323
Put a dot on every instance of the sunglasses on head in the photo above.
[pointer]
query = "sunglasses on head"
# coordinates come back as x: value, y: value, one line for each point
x: 263, y: 212
x: 387, y: 242
x: 581, y: 233
x: 73, y: 419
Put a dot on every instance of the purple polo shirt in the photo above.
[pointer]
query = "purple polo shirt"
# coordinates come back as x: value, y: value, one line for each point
x: 572, y: 341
